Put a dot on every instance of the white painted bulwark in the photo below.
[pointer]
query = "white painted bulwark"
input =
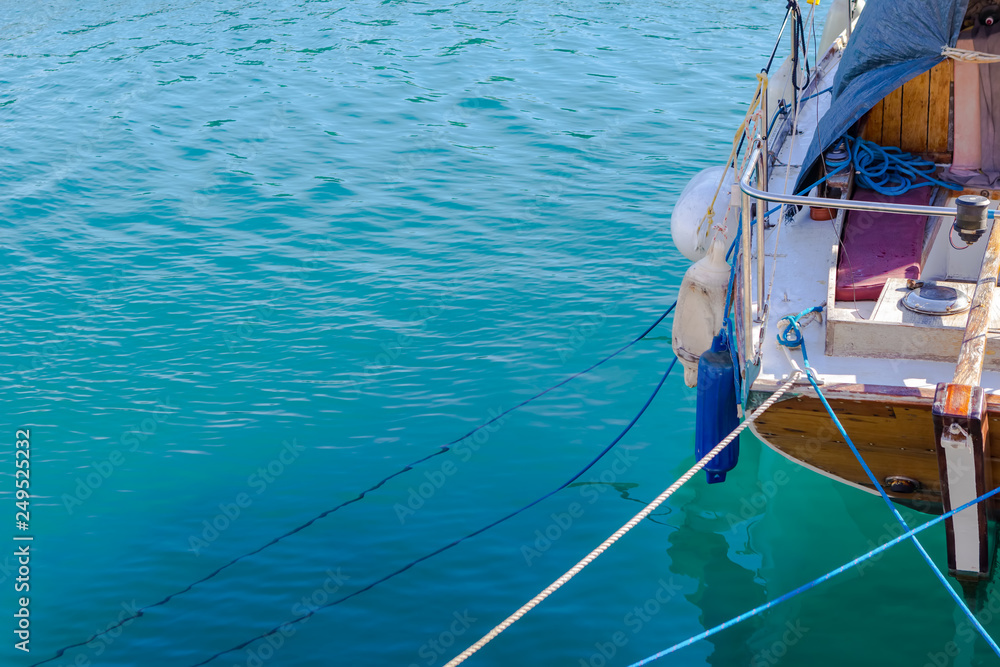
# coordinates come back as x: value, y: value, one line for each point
x: 961, y: 466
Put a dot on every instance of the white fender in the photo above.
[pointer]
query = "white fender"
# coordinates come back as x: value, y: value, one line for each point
x: 690, y: 230
x: 700, y: 307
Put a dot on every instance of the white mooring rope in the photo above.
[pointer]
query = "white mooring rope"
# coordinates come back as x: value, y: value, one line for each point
x: 633, y: 522
x: 966, y: 56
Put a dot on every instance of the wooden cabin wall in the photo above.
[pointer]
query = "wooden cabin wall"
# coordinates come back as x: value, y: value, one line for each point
x: 916, y: 117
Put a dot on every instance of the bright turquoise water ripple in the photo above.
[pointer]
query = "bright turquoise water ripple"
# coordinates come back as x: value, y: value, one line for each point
x: 351, y: 232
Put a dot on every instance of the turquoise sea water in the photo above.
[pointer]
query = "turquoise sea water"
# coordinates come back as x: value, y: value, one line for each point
x: 260, y: 255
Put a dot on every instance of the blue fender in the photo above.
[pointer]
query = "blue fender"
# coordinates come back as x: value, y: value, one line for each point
x: 717, y: 415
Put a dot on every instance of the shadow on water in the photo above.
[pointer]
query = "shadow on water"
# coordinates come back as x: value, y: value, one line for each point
x: 624, y: 489
x: 707, y: 549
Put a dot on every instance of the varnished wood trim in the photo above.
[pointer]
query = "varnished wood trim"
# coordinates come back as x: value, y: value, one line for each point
x: 972, y: 355
x: 893, y: 431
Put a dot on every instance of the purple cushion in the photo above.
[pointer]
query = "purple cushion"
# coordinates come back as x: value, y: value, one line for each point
x: 879, y: 246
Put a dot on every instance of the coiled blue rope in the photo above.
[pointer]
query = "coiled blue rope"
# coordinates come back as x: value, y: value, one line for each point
x: 889, y: 171
x: 886, y: 170
x: 815, y: 582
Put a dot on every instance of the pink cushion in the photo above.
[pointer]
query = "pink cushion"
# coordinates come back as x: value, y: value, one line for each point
x: 879, y: 246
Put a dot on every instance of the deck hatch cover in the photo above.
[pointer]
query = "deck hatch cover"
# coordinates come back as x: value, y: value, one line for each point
x: 934, y: 299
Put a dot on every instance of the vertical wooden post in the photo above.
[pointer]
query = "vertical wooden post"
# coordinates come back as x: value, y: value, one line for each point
x: 961, y: 431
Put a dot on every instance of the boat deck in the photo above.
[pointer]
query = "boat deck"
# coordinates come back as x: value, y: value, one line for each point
x: 799, y: 277
x: 879, y: 365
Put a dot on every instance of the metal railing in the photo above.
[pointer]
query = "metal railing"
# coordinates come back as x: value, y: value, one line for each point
x: 826, y: 202
x: 756, y: 165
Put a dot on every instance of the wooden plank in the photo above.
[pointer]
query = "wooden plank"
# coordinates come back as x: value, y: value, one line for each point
x: 894, y: 333
x: 913, y: 120
x: 911, y: 430
x: 873, y: 126
x: 972, y: 356
x: 888, y: 309
x: 837, y: 460
x: 900, y: 398
x: 824, y: 436
x: 939, y: 106
x: 869, y: 408
x: 889, y: 435
x: 880, y: 340
x: 892, y: 117
x: 903, y: 401
x: 903, y: 445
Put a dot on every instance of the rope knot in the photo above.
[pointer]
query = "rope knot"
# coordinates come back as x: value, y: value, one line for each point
x: 967, y: 56
x: 791, y: 335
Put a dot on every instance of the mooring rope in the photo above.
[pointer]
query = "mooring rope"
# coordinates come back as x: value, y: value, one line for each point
x: 967, y: 56
x: 815, y: 582
x: 632, y: 523
x: 441, y: 450
x: 454, y: 543
x: 792, y: 337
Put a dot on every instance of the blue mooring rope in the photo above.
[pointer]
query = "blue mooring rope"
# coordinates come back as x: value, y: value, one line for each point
x: 791, y: 336
x: 888, y: 171
x: 787, y: 339
x: 313, y: 610
x: 815, y: 582
x: 442, y: 449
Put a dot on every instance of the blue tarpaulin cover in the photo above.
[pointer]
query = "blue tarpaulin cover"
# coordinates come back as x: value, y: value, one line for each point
x: 893, y: 42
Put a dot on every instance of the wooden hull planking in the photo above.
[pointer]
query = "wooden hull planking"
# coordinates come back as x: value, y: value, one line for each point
x: 892, y: 427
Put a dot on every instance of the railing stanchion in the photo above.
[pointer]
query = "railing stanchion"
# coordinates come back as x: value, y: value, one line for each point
x: 746, y: 268
x: 761, y: 209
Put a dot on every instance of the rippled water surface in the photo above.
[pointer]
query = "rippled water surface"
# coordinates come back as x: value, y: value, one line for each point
x: 260, y: 255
